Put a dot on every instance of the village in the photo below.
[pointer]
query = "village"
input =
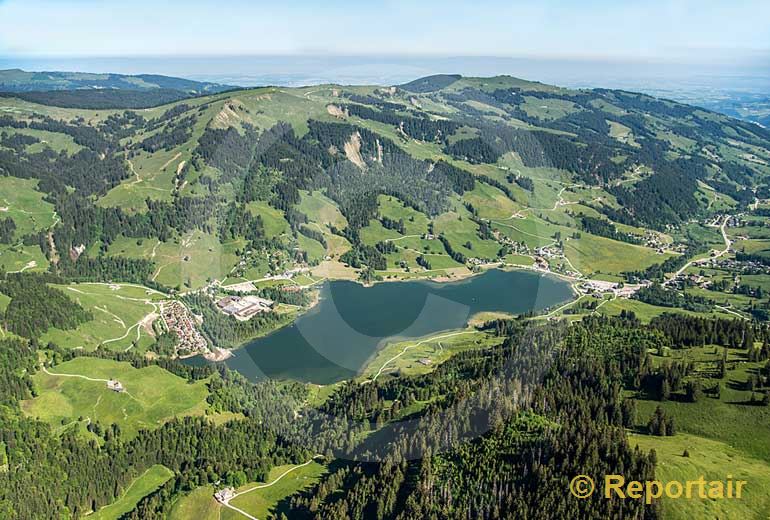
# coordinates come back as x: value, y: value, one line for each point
x: 178, y: 319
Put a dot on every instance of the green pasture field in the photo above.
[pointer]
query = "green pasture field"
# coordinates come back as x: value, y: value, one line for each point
x: 53, y: 140
x: 15, y: 258
x: 152, y: 396
x: 591, y: 254
x: 21, y: 201
x: 262, y: 503
x: 198, y: 504
x: 21, y: 109
x: 415, y: 222
x: 730, y: 419
x: 190, y: 261
x: 314, y: 249
x: 322, y: 213
x: 152, y: 174
x: 375, y: 232
x: 421, y: 356
x: 321, y: 209
x: 548, y: 109
x: 530, y: 231
x: 273, y: 219
x: 120, y: 317
x: 713, y: 460
x: 142, y: 486
x: 645, y: 312
x: 459, y: 229
x: 490, y: 202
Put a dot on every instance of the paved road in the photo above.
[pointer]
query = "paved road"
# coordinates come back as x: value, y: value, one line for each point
x: 717, y: 254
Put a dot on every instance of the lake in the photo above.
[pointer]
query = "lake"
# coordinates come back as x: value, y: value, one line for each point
x: 335, y: 339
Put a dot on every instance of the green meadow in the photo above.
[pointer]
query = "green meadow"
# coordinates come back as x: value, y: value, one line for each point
x: 713, y: 460
x: 17, y: 257
x: 645, y: 312
x: 122, y: 317
x: 421, y: 356
x: 190, y: 261
x: 55, y: 141
x: 21, y: 201
x: 152, y: 395
x: 262, y: 503
x: 592, y: 255
x: 198, y: 504
x: 142, y: 486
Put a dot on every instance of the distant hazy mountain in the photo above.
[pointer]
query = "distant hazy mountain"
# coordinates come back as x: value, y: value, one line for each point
x: 100, y: 91
x: 17, y: 80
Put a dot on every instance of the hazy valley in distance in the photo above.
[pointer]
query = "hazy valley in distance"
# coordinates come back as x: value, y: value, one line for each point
x: 739, y: 88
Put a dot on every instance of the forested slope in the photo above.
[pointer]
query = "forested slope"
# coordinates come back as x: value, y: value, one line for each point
x: 112, y: 216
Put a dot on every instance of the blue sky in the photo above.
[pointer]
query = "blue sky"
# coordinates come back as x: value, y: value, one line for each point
x: 689, y: 30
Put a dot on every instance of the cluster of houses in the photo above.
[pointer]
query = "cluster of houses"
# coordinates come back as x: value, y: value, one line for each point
x: 541, y: 263
x: 519, y: 248
x: 243, y: 308
x: 549, y: 252
x: 654, y: 240
x: 178, y: 319
x: 695, y: 279
x: 481, y: 261
x: 735, y: 221
x: 620, y: 290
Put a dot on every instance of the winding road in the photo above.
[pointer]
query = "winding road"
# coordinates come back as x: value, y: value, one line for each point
x: 717, y: 254
x: 74, y: 375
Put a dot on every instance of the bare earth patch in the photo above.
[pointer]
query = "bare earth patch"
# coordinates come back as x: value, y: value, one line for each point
x: 353, y: 151
x: 334, y: 270
x: 335, y: 111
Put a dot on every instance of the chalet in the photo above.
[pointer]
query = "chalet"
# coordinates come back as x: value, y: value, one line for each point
x: 115, y: 386
x: 225, y: 495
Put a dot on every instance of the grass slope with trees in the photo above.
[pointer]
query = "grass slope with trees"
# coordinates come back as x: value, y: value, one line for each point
x: 107, y: 213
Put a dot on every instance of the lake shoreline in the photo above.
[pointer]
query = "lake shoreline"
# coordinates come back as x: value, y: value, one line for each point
x: 348, y: 323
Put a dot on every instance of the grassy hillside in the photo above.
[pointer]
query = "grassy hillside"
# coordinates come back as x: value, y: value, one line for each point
x: 271, y: 191
x: 262, y: 503
x: 122, y: 317
x: 152, y: 396
x: 144, y: 484
x: 714, y: 461
x: 496, y: 168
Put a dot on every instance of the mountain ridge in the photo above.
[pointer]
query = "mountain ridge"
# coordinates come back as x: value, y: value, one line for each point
x: 19, y: 80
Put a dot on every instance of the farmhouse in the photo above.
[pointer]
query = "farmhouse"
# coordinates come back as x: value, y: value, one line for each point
x: 115, y: 386
x: 224, y: 495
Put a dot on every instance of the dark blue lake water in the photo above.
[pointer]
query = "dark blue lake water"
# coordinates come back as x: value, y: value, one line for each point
x: 334, y: 340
